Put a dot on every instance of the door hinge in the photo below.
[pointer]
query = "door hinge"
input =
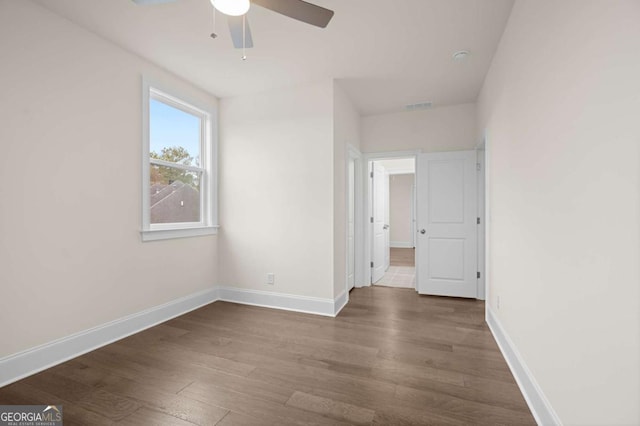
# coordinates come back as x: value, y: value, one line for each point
x: 478, y: 166
x: 478, y: 274
x: 372, y: 264
x: 372, y: 220
x: 371, y: 174
x: 478, y: 221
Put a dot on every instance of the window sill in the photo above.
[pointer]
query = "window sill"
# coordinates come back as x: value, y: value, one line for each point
x: 168, y: 234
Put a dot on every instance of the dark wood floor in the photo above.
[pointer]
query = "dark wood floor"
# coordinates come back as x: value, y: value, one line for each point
x: 391, y: 357
x: 402, y: 257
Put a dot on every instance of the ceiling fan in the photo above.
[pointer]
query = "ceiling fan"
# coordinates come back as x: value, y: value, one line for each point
x: 237, y: 9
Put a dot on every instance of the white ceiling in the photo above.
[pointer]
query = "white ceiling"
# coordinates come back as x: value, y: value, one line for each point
x: 384, y: 53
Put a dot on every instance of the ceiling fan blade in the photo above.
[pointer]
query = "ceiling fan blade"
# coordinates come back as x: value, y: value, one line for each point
x: 300, y: 10
x: 235, y: 27
x: 149, y: 2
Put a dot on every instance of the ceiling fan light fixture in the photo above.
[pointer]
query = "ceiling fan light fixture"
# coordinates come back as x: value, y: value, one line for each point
x: 231, y: 7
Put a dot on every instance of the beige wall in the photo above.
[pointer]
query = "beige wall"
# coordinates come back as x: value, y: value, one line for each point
x: 450, y: 128
x: 71, y: 257
x: 400, y: 206
x: 560, y: 108
x: 276, y: 191
x: 346, y: 130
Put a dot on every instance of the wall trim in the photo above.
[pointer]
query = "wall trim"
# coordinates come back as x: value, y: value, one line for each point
x: 401, y: 244
x: 31, y: 361
x: 287, y: 302
x: 340, y: 302
x: 538, y: 403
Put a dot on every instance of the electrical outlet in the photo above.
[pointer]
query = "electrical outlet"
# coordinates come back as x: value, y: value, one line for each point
x: 498, y: 303
x: 271, y: 278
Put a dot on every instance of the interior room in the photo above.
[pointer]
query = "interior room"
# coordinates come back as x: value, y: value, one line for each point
x: 204, y: 245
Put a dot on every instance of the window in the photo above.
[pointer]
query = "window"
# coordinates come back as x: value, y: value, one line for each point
x: 179, y: 154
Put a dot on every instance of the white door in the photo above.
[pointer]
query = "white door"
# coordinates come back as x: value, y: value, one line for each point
x: 378, y: 248
x: 351, y: 247
x: 447, y: 212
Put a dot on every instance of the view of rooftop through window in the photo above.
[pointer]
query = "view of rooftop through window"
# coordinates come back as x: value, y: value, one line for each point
x: 174, y: 137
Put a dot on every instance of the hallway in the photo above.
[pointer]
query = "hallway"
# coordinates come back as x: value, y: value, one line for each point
x: 402, y: 270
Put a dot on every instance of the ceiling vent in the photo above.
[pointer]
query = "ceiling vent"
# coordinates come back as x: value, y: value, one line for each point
x: 419, y: 105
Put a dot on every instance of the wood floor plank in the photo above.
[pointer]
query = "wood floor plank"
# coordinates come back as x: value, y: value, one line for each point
x: 402, y: 256
x: 391, y: 406
x: 178, y: 358
x: 149, y: 396
x: 244, y: 345
x: 270, y: 412
x: 305, y: 379
x: 400, y: 415
x: 159, y: 333
x: 308, y: 339
x: 139, y: 370
x: 332, y: 408
x: 399, y: 373
x: 391, y: 357
x: 235, y: 419
x: 501, y: 395
x: 461, y: 409
x: 21, y: 393
x: 110, y: 405
x: 482, y: 367
x: 97, y: 400
x: 145, y: 417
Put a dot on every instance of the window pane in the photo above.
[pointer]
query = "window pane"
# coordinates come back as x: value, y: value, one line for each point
x: 175, y: 195
x: 174, y: 135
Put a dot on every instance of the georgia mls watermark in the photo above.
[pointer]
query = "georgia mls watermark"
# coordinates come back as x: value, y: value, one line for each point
x: 30, y: 415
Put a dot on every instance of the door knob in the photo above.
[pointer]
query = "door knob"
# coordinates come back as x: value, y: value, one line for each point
x: 385, y: 227
x: 423, y: 231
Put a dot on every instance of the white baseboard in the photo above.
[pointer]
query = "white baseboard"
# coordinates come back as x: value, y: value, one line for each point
x: 17, y: 366
x: 401, y: 244
x: 340, y: 302
x: 26, y: 363
x: 287, y: 302
x: 538, y: 403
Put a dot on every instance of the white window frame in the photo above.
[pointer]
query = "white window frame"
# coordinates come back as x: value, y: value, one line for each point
x: 208, y: 224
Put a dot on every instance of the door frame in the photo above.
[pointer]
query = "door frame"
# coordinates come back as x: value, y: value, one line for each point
x: 368, y: 157
x: 413, y: 214
x: 353, y: 154
x: 481, y: 229
x: 486, y: 219
x: 387, y: 220
x: 379, y: 231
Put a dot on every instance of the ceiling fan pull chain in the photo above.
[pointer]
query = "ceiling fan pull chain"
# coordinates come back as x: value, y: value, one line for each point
x: 213, y: 34
x: 244, y: 36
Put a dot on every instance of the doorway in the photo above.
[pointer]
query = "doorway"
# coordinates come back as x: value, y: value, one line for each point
x: 447, y: 224
x: 392, y: 222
